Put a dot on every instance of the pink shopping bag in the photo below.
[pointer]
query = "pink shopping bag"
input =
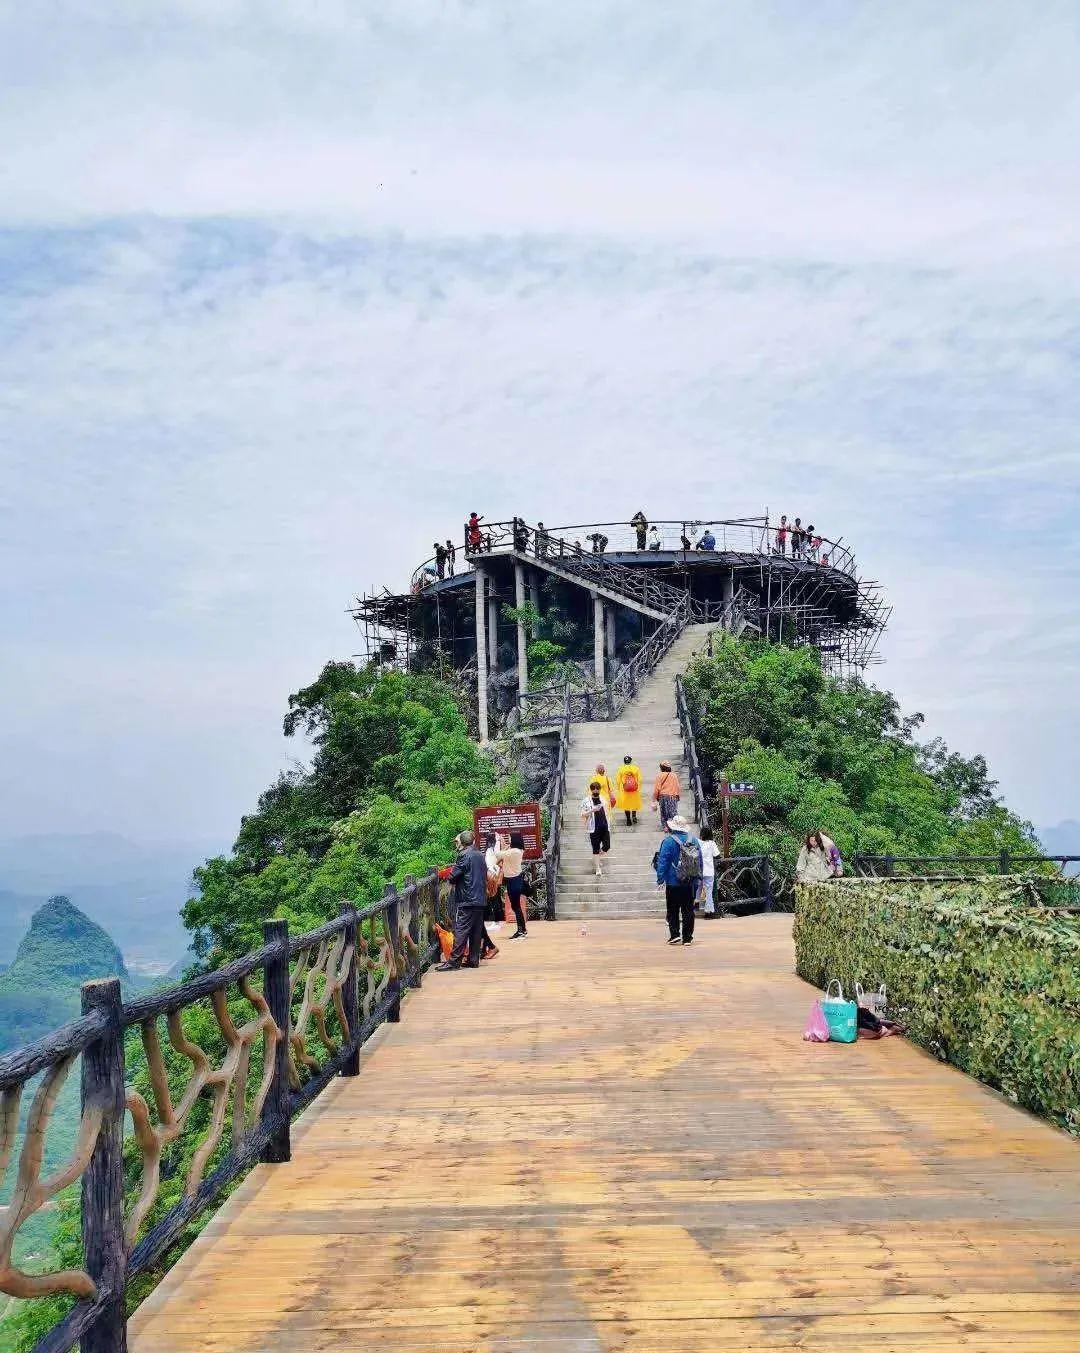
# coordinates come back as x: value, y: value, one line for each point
x: 817, y: 1026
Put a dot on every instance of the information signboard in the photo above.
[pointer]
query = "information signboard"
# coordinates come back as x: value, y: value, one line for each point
x: 511, y: 817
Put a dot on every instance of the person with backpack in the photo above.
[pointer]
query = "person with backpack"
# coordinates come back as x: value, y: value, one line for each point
x: 628, y: 790
x: 666, y: 793
x: 678, y: 872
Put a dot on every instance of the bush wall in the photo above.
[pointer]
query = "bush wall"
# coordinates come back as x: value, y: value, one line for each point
x: 982, y: 974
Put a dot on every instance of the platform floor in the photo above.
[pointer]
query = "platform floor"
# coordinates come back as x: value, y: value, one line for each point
x: 601, y: 1143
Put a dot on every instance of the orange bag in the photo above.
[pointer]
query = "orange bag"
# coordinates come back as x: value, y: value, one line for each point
x: 446, y: 941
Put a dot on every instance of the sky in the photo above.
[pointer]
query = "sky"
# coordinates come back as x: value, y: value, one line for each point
x: 287, y: 288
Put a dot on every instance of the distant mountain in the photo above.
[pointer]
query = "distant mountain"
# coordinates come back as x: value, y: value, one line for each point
x: 133, y: 890
x: 1064, y: 839
x: 62, y: 949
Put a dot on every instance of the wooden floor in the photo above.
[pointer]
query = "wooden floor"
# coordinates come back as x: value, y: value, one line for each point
x: 601, y: 1143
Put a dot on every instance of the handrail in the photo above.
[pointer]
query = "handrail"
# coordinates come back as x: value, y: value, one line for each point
x: 553, y: 801
x: 701, y: 808
x: 310, y: 1004
x: 1004, y: 862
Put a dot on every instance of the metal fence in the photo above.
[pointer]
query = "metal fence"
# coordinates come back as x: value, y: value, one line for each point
x: 280, y: 1023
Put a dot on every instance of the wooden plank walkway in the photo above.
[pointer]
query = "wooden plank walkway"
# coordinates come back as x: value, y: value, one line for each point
x: 602, y: 1143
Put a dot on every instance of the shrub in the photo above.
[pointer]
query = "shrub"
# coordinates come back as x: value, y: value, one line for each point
x: 987, y: 977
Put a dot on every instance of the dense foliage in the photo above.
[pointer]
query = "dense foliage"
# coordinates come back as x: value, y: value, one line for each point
x: 988, y: 979
x: 394, y: 776
x: 839, y: 756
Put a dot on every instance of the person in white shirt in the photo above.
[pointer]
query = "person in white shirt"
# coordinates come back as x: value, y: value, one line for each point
x: 709, y: 852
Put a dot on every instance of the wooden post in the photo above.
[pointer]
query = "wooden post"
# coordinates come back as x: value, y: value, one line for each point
x: 766, y: 871
x: 522, y: 641
x: 889, y: 863
x: 392, y: 922
x: 481, y: 657
x: 276, y: 990
x: 414, y: 927
x: 103, y: 1179
x: 349, y: 997
x: 1005, y: 863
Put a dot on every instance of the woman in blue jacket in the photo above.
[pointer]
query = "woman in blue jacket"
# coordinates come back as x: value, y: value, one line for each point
x: 679, y: 892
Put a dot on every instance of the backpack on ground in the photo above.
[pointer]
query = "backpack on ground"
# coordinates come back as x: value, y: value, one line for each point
x: 688, y: 865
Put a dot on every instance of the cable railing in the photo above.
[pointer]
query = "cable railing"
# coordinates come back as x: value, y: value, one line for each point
x: 266, y: 1034
x: 1054, y: 880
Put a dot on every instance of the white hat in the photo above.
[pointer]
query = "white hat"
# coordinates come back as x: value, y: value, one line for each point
x: 678, y: 823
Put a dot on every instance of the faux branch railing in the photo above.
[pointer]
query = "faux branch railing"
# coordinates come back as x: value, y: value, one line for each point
x: 284, y: 1021
x: 694, y: 773
x: 553, y: 801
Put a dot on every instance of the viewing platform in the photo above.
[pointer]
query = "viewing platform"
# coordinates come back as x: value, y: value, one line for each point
x: 601, y: 1143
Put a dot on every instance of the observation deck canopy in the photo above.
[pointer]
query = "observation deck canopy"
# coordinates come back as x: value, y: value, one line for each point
x: 744, y: 573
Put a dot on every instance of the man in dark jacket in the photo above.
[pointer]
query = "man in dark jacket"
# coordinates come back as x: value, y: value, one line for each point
x: 468, y: 874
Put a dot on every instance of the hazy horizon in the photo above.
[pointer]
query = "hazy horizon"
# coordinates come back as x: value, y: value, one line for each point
x: 286, y: 290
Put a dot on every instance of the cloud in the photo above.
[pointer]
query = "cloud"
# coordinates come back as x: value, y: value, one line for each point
x: 286, y: 289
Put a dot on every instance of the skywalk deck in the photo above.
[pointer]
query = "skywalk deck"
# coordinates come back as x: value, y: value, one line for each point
x: 601, y: 1143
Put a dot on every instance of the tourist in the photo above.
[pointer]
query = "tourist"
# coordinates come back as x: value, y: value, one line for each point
x: 678, y: 872
x: 473, y: 536
x: 824, y: 561
x: 628, y: 790
x: 709, y: 851
x: 468, y: 874
x: 510, y: 856
x: 541, y: 538
x: 440, y: 560
x: 815, y: 548
x: 781, y: 536
x: 798, y: 535
x: 684, y: 541
x: 641, y: 525
x: 656, y: 543
x: 666, y: 792
x: 809, y: 544
x: 599, y: 542
x: 451, y: 558
x: 521, y: 535
x: 594, y: 814
x: 707, y: 541
x: 607, y: 793
x: 819, y: 859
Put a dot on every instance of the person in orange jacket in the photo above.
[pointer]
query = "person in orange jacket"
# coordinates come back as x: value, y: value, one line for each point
x: 666, y: 793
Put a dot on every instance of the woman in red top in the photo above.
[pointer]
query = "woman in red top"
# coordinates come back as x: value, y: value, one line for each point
x: 781, y: 536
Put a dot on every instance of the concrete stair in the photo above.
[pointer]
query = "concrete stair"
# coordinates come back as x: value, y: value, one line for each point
x: 649, y: 731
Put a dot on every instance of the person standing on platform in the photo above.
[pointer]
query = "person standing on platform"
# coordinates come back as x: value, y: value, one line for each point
x: 628, y: 790
x: 440, y: 561
x: 473, y: 535
x: 781, y: 536
x: 510, y: 856
x: 666, y: 793
x: 678, y: 872
x: 451, y: 558
x: 640, y: 524
x: 468, y: 874
x: 656, y: 542
x: 798, y: 535
x: 594, y: 814
x: 541, y: 539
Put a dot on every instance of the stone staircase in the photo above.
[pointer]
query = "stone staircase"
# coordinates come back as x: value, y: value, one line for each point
x: 649, y: 731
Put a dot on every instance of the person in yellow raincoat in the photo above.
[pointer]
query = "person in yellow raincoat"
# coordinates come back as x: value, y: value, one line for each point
x: 628, y: 790
x: 607, y: 794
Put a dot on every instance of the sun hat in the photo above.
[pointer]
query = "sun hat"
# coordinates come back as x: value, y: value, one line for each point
x: 678, y: 823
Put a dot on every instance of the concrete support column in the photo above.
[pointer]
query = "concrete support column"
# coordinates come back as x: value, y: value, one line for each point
x: 609, y: 631
x: 519, y: 601
x: 598, y: 637
x: 728, y: 595
x: 481, y: 654
x: 534, y: 591
x: 493, y: 627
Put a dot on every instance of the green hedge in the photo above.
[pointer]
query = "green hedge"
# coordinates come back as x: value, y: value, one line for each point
x: 987, y: 978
